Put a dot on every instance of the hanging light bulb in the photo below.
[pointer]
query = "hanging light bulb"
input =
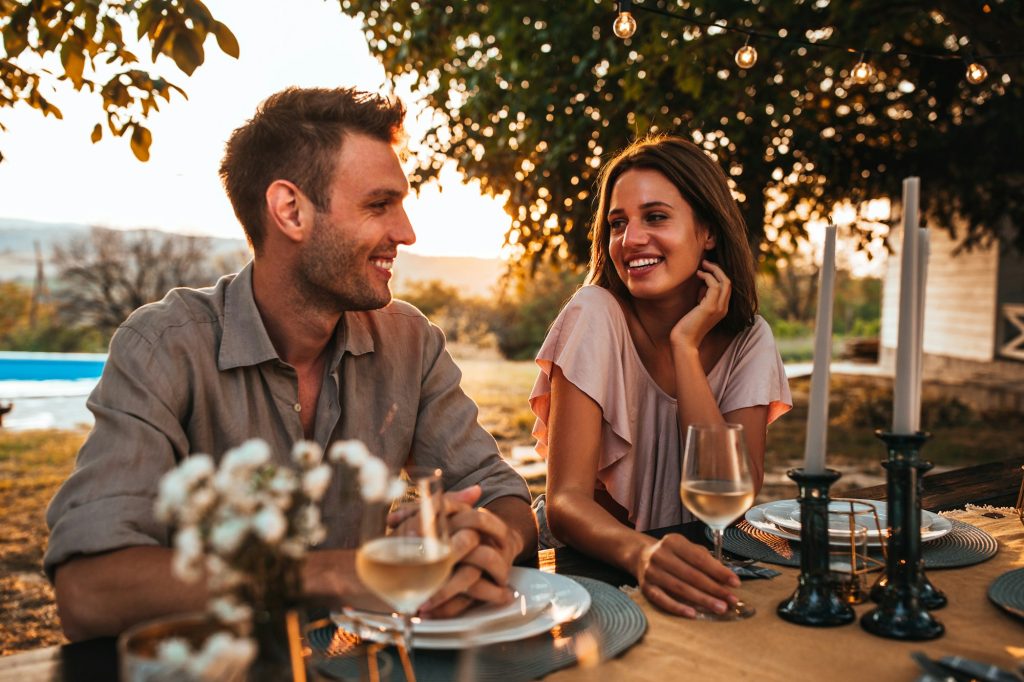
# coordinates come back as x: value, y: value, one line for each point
x: 746, y: 56
x: 625, y: 25
x: 862, y: 71
x: 976, y: 73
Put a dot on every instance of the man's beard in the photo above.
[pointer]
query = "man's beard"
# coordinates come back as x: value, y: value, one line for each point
x: 334, y: 276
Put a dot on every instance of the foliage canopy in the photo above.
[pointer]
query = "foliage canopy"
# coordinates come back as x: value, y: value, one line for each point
x: 531, y: 97
x: 88, y: 38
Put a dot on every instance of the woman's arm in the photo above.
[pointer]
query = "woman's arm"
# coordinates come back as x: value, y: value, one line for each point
x: 697, y: 405
x: 673, y: 573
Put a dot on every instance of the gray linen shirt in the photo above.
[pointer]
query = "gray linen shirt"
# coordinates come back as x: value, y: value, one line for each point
x: 196, y: 372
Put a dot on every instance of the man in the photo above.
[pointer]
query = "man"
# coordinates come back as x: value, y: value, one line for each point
x: 304, y: 342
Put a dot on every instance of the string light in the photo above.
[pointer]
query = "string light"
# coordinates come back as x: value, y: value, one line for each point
x: 746, y: 56
x: 862, y: 71
x: 625, y: 25
x: 976, y: 73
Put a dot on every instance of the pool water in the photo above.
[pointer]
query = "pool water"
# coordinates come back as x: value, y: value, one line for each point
x: 48, y: 390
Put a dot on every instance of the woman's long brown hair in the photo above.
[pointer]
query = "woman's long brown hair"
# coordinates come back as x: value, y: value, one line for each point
x: 703, y: 185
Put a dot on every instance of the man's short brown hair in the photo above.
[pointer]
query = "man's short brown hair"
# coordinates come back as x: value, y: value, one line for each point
x: 296, y: 135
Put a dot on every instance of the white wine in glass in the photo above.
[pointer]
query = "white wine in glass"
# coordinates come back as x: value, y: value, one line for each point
x: 716, y: 487
x: 405, y: 553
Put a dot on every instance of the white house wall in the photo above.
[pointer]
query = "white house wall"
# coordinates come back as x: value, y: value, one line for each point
x: 960, y: 300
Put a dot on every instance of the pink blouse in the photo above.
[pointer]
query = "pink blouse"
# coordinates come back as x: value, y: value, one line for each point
x: 641, y: 442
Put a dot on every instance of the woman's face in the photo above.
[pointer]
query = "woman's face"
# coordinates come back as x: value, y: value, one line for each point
x: 655, y: 243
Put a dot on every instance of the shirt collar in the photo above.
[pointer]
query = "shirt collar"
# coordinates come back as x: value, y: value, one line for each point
x: 245, y: 341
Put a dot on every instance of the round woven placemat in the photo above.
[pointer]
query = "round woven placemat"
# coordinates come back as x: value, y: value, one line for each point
x: 964, y: 545
x: 613, y: 624
x: 1007, y: 592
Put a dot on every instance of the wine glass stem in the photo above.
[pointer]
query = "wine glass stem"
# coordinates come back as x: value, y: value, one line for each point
x: 405, y: 651
x: 718, y: 544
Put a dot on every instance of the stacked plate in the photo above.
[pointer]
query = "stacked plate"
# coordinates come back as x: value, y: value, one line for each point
x: 542, y: 601
x: 781, y: 518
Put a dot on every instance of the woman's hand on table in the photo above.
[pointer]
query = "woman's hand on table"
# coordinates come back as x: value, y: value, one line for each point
x: 679, y: 576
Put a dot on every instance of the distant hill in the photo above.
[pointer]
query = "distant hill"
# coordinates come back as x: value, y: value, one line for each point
x: 471, y: 276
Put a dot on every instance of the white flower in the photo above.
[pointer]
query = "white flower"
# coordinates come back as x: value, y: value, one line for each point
x: 199, y: 503
x: 188, y: 541
x: 352, y: 452
x: 270, y: 524
x: 396, y: 489
x: 223, y: 657
x: 374, y: 480
x: 249, y: 456
x: 196, y: 468
x: 186, y: 567
x: 293, y: 548
x: 220, y: 576
x: 174, y: 651
x: 226, y: 537
x: 230, y: 611
x: 315, y: 482
x: 310, y: 527
x: 172, y: 495
x: 282, y: 487
x: 307, y: 453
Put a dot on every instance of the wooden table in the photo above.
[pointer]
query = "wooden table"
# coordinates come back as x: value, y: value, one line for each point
x: 761, y: 648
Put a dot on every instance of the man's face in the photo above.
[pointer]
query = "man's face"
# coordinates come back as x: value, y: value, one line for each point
x: 346, y: 263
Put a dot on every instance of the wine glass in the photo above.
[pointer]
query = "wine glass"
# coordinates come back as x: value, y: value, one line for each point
x: 715, y: 485
x: 405, y: 554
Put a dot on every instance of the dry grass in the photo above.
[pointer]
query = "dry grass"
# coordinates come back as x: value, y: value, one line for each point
x: 32, y: 465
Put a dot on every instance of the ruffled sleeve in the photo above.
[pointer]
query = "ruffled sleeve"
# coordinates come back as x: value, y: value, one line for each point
x: 587, y: 341
x: 754, y: 374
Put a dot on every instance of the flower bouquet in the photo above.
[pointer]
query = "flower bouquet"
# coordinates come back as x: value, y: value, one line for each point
x: 246, y: 527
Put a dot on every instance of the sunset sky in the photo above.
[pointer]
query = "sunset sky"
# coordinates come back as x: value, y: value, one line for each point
x: 53, y: 173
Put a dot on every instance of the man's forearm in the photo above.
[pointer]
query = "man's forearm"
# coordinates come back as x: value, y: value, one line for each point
x: 518, y: 516
x: 103, y: 594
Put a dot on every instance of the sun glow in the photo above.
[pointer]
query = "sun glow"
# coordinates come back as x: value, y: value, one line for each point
x: 52, y: 173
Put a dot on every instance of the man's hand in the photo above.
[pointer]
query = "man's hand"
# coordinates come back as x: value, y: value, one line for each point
x: 483, y: 547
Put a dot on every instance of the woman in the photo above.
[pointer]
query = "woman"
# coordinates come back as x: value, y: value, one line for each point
x: 665, y: 335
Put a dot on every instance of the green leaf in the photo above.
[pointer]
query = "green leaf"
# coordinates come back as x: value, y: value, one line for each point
x: 226, y: 39
x: 97, y: 133
x: 141, y: 139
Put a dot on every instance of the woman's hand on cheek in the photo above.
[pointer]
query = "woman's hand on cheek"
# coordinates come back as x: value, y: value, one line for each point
x: 712, y: 307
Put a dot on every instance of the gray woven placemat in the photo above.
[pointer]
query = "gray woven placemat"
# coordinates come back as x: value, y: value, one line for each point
x: 614, y: 621
x: 964, y: 545
x: 1007, y: 592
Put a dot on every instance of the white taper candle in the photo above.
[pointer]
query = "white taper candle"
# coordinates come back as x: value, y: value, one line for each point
x: 817, y: 409
x: 907, y: 343
x: 923, y: 250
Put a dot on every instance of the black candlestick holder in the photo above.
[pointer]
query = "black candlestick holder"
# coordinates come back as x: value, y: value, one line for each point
x: 901, y: 612
x: 931, y: 597
x: 815, y: 601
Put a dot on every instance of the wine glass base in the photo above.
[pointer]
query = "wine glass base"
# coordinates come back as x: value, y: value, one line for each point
x: 737, y: 611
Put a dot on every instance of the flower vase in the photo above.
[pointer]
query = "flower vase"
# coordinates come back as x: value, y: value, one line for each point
x: 275, y: 623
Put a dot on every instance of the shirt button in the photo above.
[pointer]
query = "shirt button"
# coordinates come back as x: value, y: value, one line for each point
x: 297, y: 407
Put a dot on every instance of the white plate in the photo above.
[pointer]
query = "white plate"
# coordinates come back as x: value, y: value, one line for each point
x: 755, y: 516
x: 786, y: 514
x: 569, y: 602
x: 533, y: 592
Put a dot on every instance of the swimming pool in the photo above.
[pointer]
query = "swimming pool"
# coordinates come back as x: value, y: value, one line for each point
x: 17, y: 366
x: 48, y: 390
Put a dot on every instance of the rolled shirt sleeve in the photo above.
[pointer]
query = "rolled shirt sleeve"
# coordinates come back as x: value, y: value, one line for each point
x: 107, y: 503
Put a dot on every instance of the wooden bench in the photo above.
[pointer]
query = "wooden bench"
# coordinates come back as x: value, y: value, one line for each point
x: 993, y: 483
